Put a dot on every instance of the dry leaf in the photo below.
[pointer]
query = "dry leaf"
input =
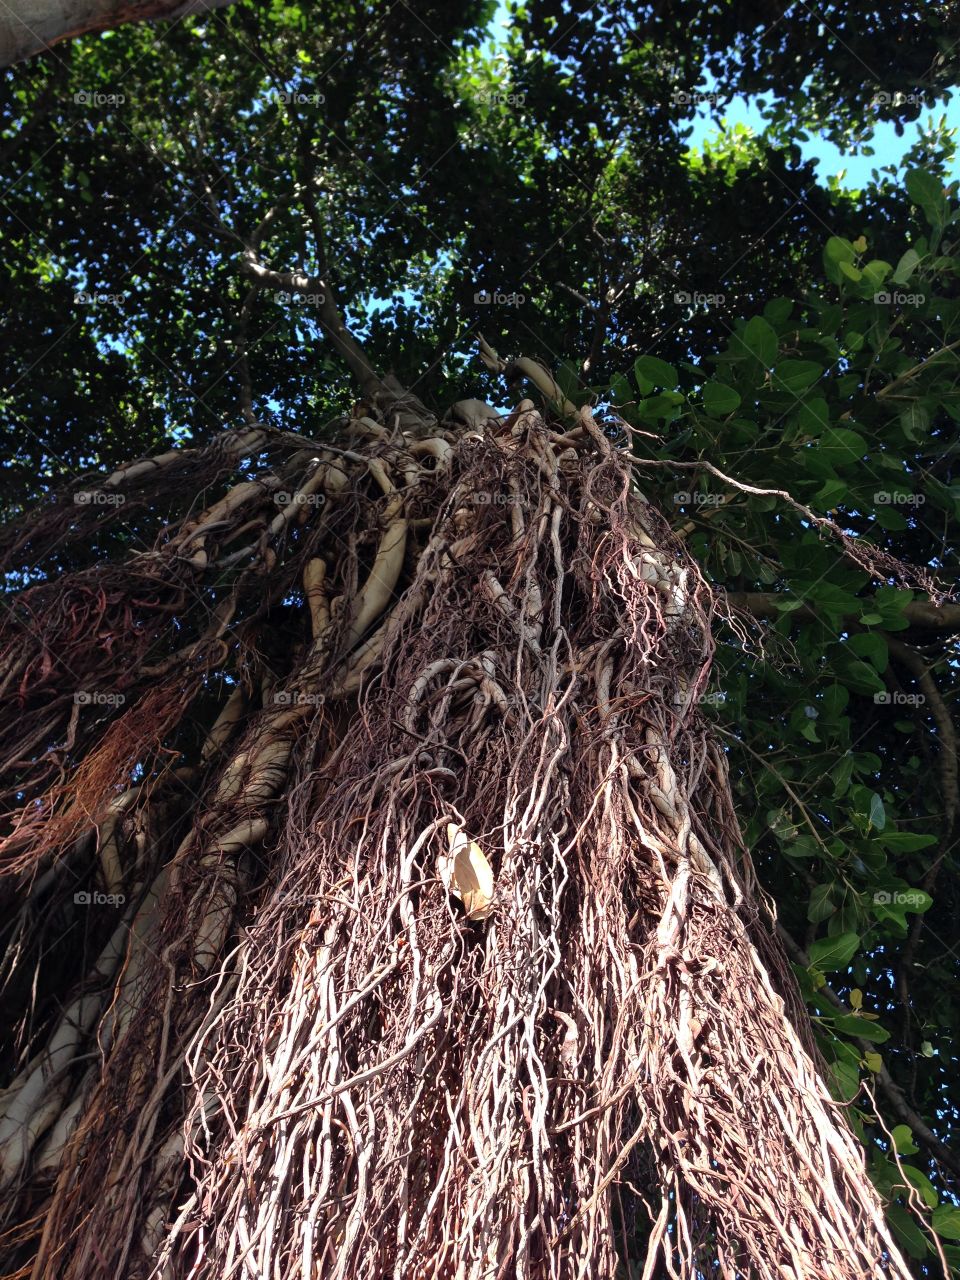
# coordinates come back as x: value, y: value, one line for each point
x: 466, y: 873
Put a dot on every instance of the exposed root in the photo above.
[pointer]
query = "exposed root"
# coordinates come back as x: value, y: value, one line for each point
x: 323, y: 1050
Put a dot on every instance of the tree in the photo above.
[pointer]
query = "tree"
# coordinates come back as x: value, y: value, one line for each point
x: 386, y: 765
x: 27, y: 29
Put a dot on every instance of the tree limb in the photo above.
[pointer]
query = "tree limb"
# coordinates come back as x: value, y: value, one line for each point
x: 894, y: 1094
x: 932, y: 617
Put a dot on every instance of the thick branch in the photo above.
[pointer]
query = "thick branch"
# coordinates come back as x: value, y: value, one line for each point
x: 763, y: 604
x: 329, y: 316
x: 29, y: 27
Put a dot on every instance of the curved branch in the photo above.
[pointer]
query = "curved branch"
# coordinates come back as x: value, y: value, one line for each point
x: 29, y: 27
x: 763, y: 604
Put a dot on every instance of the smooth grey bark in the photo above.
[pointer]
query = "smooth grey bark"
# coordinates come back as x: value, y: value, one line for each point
x: 28, y: 27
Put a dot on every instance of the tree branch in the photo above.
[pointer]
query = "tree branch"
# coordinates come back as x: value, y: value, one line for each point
x: 347, y: 346
x: 894, y: 1094
x: 931, y: 617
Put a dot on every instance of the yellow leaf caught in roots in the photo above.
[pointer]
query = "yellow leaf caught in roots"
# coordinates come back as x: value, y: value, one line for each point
x: 466, y: 873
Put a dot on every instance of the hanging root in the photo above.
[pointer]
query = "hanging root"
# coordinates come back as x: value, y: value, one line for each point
x: 459, y: 968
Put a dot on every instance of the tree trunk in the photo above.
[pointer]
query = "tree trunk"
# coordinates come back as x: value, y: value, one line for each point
x: 28, y: 27
x: 440, y: 954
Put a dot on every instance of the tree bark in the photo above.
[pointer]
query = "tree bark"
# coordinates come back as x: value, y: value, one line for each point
x: 763, y: 604
x: 29, y: 27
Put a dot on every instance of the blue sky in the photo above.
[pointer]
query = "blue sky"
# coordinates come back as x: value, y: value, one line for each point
x: 888, y: 148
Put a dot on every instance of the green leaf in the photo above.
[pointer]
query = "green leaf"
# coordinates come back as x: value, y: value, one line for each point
x: 796, y: 375
x: 778, y: 311
x: 835, y: 252
x: 906, y: 267
x: 906, y: 1230
x: 847, y: 1080
x: 814, y: 416
x: 906, y: 841
x: 621, y: 391
x: 719, y: 399
x: 841, y: 445
x: 842, y: 775
x: 760, y: 340
x: 835, y: 700
x: 923, y: 1184
x: 878, y: 815
x: 872, y: 647
x: 946, y: 1222
x: 859, y: 677
x: 834, y: 953
x: 903, y: 1138
x: 821, y: 902
x: 850, y: 1025
x: 926, y: 191
x: 655, y: 373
